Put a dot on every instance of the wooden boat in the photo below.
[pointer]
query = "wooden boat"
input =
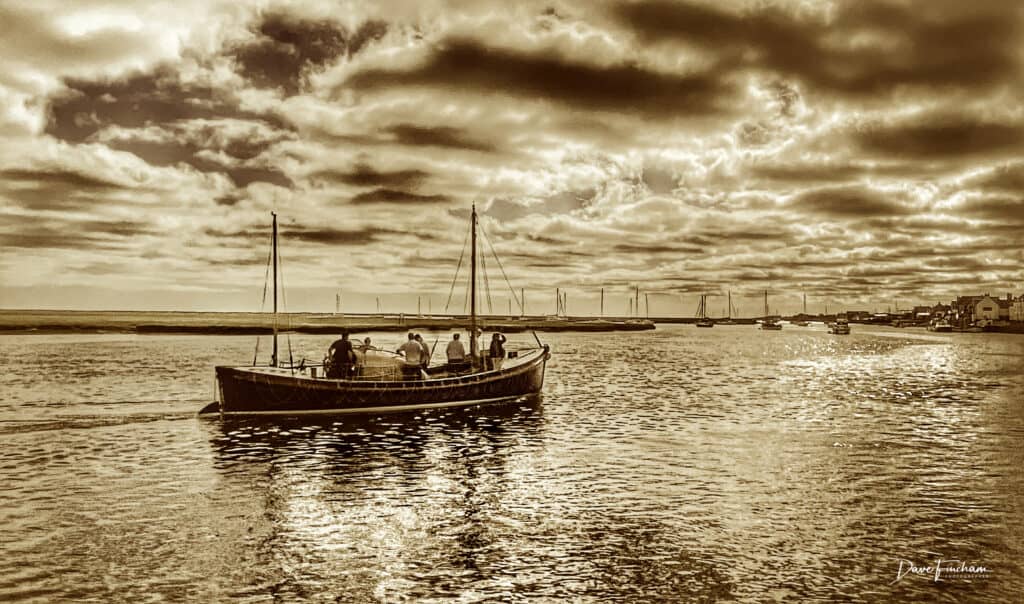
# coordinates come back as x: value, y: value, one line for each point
x: 769, y: 322
x: 295, y: 390
x: 702, y: 313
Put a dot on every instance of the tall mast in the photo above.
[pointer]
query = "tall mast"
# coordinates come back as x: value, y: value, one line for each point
x: 729, y: 311
x: 766, y: 313
x: 273, y: 358
x: 472, y: 288
x: 602, y: 301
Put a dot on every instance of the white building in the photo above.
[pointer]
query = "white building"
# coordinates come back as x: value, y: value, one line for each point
x: 986, y: 309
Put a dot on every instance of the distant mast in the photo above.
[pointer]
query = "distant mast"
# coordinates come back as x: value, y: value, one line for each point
x: 472, y: 289
x: 273, y: 357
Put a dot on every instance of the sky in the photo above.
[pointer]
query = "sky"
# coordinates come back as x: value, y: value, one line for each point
x: 864, y: 154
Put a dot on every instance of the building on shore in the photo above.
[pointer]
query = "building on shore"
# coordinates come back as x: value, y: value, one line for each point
x: 1017, y: 309
x: 983, y: 309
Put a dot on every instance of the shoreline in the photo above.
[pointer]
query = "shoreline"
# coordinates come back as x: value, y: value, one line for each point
x: 204, y: 323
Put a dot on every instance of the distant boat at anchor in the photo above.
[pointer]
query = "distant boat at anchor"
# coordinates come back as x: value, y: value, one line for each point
x: 839, y: 327
x: 702, y: 313
x: 378, y: 386
x: 769, y: 322
x: 728, y: 312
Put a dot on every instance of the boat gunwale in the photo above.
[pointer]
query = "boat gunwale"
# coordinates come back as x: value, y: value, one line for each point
x: 318, y: 383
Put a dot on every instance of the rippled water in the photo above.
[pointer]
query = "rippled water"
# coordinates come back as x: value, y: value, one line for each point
x: 682, y: 465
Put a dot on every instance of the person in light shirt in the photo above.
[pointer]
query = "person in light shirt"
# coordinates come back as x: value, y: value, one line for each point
x: 456, y: 354
x: 413, y: 352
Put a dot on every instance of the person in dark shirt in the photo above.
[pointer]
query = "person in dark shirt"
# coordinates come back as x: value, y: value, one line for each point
x: 343, y: 358
x: 496, y: 353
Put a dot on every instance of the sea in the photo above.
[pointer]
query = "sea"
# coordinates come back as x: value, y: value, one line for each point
x: 675, y: 465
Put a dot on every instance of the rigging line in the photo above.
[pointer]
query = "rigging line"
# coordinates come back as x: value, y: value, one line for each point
x: 263, y: 303
x: 502, y: 268
x: 465, y: 299
x: 487, y: 283
x: 284, y: 305
x: 455, y: 279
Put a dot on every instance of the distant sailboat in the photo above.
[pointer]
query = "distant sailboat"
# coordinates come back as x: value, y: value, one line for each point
x: 769, y: 322
x: 728, y: 312
x: 702, y: 313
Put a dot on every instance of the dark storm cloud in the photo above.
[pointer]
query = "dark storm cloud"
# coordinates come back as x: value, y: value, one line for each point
x: 1008, y: 177
x: 307, y: 234
x: 963, y: 48
x: 242, y: 176
x: 68, y: 234
x: 174, y: 152
x: 384, y: 195
x: 56, y: 188
x: 139, y: 101
x: 846, y: 202
x: 462, y: 64
x: 656, y: 248
x: 161, y: 100
x: 440, y: 136
x: 1002, y: 209
x: 941, y: 136
x: 331, y: 236
x: 286, y: 49
x: 363, y: 175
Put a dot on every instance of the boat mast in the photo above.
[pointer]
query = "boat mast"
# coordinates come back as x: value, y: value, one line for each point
x: 472, y: 289
x: 273, y: 358
x: 728, y: 311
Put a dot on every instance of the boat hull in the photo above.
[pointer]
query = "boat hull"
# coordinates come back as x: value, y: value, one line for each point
x: 245, y: 390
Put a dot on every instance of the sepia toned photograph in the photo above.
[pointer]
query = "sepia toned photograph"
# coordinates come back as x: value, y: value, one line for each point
x: 462, y: 301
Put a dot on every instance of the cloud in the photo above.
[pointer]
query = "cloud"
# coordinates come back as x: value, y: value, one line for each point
x: 385, y: 195
x: 468, y: 65
x: 363, y: 175
x: 56, y: 188
x: 847, y: 202
x: 940, y: 136
x: 60, y: 233
x: 285, y: 49
x: 858, y: 48
x: 438, y: 136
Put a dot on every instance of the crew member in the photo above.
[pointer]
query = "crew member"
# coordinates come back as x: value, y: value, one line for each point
x: 343, y: 358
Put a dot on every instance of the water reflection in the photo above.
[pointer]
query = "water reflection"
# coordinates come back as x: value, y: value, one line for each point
x: 679, y: 465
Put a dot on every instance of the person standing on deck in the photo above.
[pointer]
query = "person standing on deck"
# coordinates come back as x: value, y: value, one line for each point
x: 497, y: 351
x: 343, y: 358
x: 456, y: 354
x: 425, y: 359
x: 413, y: 357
